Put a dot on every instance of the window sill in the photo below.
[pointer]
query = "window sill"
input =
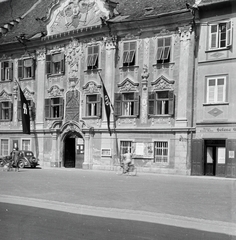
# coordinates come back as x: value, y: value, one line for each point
x: 5, y: 120
x: 25, y: 79
x: 131, y: 116
x: 160, y: 116
x: 129, y: 67
x: 55, y: 74
x: 214, y: 104
x: 163, y: 65
x: 92, y: 70
x: 6, y: 81
x: 52, y: 119
x: 218, y: 49
x: 91, y: 117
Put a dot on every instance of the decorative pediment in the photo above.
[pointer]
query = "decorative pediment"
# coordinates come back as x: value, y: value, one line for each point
x: 128, y: 85
x: 162, y: 83
x: 69, y: 15
x: 91, y: 87
x: 5, y: 96
x: 28, y: 94
x: 55, y: 91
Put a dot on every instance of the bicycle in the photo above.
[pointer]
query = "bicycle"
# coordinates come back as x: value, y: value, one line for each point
x: 131, y: 171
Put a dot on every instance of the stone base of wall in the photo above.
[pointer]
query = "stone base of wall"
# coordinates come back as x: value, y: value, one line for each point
x: 55, y: 164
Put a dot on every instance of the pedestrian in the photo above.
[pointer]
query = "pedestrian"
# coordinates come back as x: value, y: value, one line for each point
x: 15, y: 158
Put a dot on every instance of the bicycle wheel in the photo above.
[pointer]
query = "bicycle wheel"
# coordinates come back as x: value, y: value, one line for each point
x: 134, y: 172
x: 119, y: 170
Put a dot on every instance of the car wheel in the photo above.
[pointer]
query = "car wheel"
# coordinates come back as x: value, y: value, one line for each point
x: 1, y: 163
x: 21, y: 164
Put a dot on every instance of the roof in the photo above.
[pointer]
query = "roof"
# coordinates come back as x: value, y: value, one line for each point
x: 28, y: 14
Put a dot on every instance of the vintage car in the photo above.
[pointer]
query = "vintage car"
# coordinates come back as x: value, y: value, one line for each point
x: 27, y: 159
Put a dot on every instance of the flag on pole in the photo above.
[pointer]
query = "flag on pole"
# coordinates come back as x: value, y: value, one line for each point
x: 24, y: 112
x: 107, y: 104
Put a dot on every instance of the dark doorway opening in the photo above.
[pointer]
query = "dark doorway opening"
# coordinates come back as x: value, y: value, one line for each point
x: 69, y: 158
x: 214, y: 158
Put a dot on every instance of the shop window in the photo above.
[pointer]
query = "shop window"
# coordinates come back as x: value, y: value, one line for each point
x: 93, y: 57
x: 26, y: 68
x: 4, y: 147
x: 31, y: 105
x: 129, y: 53
x: 163, y: 50
x: 55, y: 63
x: 125, y: 147
x: 220, y: 35
x: 54, y: 108
x: 216, y: 90
x: 6, y: 111
x: 161, y: 151
x: 93, y: 105
x: 26, y: 144
x: 127, y: 104
x: 7, y: 71
x: 161, y: 103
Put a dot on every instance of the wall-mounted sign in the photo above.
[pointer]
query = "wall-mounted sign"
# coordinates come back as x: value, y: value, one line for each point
x: 143, y: 149
x: 106, y: 152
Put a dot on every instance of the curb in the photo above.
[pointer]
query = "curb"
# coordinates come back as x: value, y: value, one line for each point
x: 159, y: 218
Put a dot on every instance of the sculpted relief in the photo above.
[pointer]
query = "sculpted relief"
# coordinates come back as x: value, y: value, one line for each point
x: 75, y: 14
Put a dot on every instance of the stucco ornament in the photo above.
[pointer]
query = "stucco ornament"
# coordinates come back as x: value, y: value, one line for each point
x: 74, y: 14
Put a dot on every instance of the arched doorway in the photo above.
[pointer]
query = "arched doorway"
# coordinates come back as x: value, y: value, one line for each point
x: 73, y: 156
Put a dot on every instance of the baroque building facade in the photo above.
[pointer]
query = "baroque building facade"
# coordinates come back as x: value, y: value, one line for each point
x: 145, y: 56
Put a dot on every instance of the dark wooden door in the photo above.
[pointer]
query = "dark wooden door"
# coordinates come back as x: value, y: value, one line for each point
x: 69, y: 160
x: 231, y: 158
x: 197, y: 157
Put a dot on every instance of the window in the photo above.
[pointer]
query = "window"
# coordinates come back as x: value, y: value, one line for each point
x: 129, y: 53
x: 127, y: 104
x: 163, y: 50
x: 4, y: 147
x: 5, y: 111
x: 26, y: 68
x: 54, y: 108
x: 31, y: 110
x: 161, y: 152
x: 93, y: 105
x: 216, y: 90
x: 161, y: 103
x: 92, y: 59
x: 26, y: 144
x: 220, y: 35
x: 6, y: 71
x: 55, y: 63
x: 125, y: 147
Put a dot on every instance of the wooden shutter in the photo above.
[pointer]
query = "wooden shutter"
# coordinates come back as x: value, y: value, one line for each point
x: 231, y: 158
x: 47, y: 107
x: 33, y: 67
x: 214, y: 36
x: 197, y: 157
x: 2, y: 71
x: 19, y: 117
x: 10, y: 111
x: 229, y: 34
x: 49, y: 64
x: 11, y: 71
x: 118, y: 104
x: 136, y: 103
x: 99, y: 105
x: 20, y: 69
x: 171, y: 102
x: 62, y: 63
x: 0, y: 110
x: 151, y: 103
x: 61, y: 107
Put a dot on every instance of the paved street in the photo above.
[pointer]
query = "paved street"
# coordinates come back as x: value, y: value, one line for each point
x: 193, y: 202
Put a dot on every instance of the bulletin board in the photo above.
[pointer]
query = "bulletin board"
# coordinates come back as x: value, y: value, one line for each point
x: 143, y: 150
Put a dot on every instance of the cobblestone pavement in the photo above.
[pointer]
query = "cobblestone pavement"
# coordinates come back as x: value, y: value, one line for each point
x: 205, y: 203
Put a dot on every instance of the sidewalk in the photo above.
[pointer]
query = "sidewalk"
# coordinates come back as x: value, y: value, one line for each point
x: 184, y: 201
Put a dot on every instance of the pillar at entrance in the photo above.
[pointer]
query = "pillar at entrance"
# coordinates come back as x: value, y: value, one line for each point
x: 87, y: 163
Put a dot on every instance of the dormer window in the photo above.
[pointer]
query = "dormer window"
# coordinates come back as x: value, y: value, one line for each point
x: 26, y: 68
x: 55, y: 63
x: 7, y: 71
